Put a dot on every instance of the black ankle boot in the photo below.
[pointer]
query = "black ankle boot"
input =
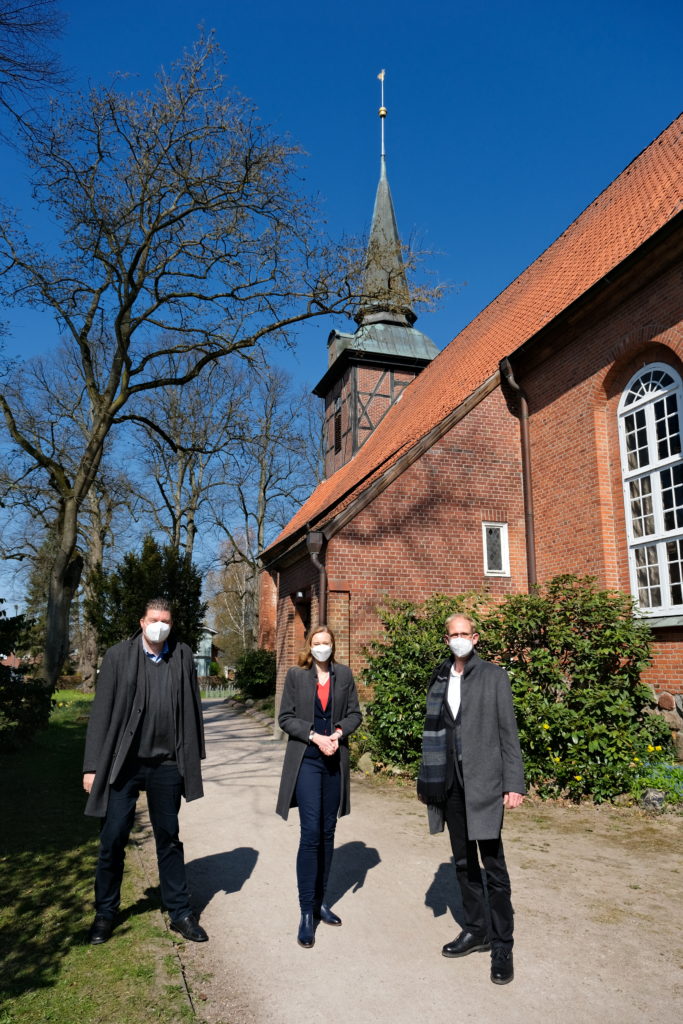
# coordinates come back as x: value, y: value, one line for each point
x: 328, y: 916
x: 306, y: 935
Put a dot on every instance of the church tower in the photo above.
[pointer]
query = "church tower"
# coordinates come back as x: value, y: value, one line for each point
x: 369, y: 369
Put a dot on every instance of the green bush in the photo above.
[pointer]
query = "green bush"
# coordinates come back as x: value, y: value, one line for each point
x: 214, y: 669
x: 574, y: 655
x: 255, y: 674
x: 398, y: 670
x: 25, y: 706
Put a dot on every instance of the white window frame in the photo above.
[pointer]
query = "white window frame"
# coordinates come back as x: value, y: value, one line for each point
x: 651, y: 546
x: 504, y: 549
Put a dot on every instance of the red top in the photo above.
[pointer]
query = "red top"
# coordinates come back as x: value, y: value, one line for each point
x: 324, y: 692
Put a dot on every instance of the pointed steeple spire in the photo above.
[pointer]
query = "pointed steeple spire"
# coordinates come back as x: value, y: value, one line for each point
x: 367, y: 371
x: 386, y: 298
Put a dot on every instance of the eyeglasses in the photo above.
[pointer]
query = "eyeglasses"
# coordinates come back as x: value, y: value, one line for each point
x: 452, y: 636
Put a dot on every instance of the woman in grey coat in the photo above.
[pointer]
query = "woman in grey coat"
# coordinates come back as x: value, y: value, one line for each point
x: 318, y: 711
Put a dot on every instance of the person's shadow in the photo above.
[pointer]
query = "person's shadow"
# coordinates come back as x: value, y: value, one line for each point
x: 350, y: 867
x: 219, y: 872
x: 443, y: 895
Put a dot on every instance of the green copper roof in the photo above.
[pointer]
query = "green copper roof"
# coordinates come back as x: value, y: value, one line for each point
x: 384, y: 339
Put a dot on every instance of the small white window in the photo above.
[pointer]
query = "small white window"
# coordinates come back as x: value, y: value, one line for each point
x: 496, y: 551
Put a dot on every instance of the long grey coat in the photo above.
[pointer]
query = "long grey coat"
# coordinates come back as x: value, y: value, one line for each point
x: 115, y: 715
x: 296, y: 719
x: 491, y: 756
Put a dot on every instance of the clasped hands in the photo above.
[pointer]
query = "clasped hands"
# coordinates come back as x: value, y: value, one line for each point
x: 327, y: 744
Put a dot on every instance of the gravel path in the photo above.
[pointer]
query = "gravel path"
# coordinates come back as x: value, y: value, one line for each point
x: 597, y: 893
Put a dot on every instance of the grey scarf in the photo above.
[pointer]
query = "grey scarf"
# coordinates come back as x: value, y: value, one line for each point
x: 432, y: 777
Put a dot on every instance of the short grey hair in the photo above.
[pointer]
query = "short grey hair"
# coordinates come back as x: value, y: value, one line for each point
x: 461, y: 615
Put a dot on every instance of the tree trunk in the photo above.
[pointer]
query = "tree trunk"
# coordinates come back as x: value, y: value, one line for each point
x: 64, y: 580
x: 97, y: 525
x: 87, y: 657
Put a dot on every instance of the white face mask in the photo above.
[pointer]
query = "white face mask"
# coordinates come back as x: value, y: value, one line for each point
x: 321, y: 652
x: 157, y: 632
x: 461, y: 646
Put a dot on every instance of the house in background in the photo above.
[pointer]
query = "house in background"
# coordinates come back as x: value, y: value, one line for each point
x: 206, y: 651
x: 544, y: 439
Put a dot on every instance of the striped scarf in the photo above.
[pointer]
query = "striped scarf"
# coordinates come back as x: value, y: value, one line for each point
x: 431, y: 781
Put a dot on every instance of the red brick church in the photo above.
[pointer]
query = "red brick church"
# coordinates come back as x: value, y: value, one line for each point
x: 544, y: 439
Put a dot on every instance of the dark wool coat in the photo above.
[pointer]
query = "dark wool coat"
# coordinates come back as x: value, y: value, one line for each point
x: 296, y: 719
x: 116, y: 712
x: 491, y: 756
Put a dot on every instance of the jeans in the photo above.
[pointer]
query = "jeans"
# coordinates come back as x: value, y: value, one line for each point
x: 468, y: 873
x: 164, y: 786
x: 318, y: 792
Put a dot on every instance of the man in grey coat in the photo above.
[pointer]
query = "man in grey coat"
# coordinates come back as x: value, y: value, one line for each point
x: 471, y: 771
x: 145, y: 732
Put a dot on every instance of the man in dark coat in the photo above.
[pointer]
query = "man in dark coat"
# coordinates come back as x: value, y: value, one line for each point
x: 471, y: 770
x: 145, y: 732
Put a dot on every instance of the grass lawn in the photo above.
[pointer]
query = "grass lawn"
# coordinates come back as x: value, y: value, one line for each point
x: 48, y: 849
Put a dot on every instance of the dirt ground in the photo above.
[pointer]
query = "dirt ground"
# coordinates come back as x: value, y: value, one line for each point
x: 597, y: 892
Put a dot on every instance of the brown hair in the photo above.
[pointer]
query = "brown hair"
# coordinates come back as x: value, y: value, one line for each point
x: 157, y: 604
x: 305, y: 657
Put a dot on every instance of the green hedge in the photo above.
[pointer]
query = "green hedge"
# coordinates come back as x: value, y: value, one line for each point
x: 574, y: 654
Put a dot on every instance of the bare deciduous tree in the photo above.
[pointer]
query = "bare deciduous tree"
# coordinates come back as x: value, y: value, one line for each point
x: 272, y: 467
x: 182, y: 235
x: 180, y: 448
x: 233, y: 606
x: 27, y: 61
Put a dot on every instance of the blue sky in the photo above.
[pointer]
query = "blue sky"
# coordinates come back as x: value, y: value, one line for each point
x: 505, y: 120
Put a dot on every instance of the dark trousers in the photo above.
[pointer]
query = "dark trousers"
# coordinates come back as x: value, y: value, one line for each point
x: 164, y: 790
x: 318, y: 792
x: 468, y: 872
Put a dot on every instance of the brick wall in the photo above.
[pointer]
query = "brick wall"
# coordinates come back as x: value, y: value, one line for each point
x: 666, y: 671
x: 267, y: 619
x: 576, y: 468
x: 423, y: 534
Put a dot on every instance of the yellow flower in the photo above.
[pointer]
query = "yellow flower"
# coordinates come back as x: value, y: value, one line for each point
x: 650, y: 748
x: 658, y: 747
x: 557, y: 759
x: 637, y: 760
x: 545, y: 725
x: 578, y: 777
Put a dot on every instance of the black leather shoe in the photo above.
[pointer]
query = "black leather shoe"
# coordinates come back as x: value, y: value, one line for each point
x: 502, y: 971
x: 306, y: 933
x: 328, y: 916
x: 190, y: 928
x: 466, y: 943
x: 100, y: 929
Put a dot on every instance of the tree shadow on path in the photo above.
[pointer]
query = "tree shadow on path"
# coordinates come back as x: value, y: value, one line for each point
x: 219, y: 872
x: 350, y: 867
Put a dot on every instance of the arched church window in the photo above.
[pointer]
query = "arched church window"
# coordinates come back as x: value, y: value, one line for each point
x: 650, y: 426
